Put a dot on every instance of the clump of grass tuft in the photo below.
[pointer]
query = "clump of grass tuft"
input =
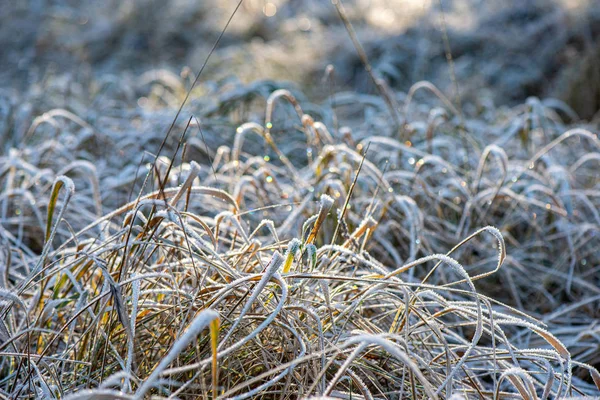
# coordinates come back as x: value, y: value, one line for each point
x: 453, y: 260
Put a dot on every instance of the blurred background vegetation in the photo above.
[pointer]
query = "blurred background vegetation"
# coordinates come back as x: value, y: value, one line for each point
x: 510, y: 50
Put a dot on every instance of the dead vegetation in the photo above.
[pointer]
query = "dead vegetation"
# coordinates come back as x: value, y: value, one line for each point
x: 272, y: 247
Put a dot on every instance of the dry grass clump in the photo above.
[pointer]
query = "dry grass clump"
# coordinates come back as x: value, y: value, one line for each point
x: 299, y: 259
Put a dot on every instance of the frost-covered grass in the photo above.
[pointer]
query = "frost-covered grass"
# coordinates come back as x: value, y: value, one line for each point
x: 401, y: 295
x: 362, y: 246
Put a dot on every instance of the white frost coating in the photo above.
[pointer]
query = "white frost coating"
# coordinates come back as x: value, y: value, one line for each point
x: 198, y: 324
